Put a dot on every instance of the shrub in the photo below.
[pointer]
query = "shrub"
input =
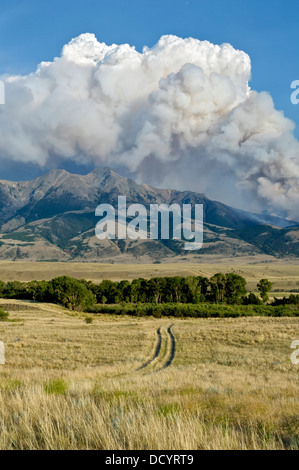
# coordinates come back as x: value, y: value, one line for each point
x: 3, y: 315
x: 56, y: 387
x: 251, y: 299
x: 206, y: 310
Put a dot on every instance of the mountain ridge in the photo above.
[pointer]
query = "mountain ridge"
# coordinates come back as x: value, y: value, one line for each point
x: 53, y: 216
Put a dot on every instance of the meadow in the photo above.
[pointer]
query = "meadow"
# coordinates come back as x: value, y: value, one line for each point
x: 283, y: 275
x: 83, y: 381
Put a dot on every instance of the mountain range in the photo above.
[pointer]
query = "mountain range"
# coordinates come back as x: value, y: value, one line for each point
x: 53, y: 218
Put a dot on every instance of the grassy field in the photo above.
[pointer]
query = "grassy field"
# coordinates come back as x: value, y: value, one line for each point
x: 134, y: 383
x: 284, y: 276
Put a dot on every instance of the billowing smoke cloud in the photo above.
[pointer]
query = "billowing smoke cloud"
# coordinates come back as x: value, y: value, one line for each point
x: 180, y: 114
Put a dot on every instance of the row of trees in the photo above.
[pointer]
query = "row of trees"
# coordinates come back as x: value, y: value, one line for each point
x: 74, y: 294
x: 63, y: 290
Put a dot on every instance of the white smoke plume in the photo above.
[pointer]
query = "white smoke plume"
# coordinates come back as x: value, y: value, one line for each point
x: 180, y: 114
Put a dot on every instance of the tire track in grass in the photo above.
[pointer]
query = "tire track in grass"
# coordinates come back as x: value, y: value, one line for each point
x: 172, y: 348
x: 156, y: 353
x: 162, y: 352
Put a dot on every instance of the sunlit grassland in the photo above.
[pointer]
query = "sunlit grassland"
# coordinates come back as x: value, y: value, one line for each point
x: 284, y: 275
x: 72, y: 385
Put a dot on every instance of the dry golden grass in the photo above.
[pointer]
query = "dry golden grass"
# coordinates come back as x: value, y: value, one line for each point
x: 72, y: 385
x: 283, y: 275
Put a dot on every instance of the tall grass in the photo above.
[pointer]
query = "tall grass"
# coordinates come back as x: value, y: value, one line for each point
x: 71, y: 385
x: 113, y: 418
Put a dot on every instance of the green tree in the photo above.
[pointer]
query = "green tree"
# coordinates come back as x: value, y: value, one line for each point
x: 16, y: 290
x: 142, y: 290
x: 235, y: 288
x: 156, y: 288
x: 124, y: 288
x: 218, y: 285
x: 135, y: 290
x: 264, y: 287
x: 39, y: 291
x: 191, y: 290
x: 252, y: 299
x: 203, y: 283
x: 153, y: 290
x: 109, y: 290
x: 173, y: 289
x: 71, y: 293
x: 2, y: 288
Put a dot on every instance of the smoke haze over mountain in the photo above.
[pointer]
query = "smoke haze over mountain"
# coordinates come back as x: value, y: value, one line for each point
x: 180, y: 114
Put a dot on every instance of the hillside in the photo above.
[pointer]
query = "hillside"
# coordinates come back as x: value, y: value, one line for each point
x: 53, y: 218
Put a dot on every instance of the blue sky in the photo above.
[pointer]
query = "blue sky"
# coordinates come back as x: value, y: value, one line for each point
x: 36, y: 30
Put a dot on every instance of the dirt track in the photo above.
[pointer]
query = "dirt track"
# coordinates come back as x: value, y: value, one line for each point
x: 164, y: 351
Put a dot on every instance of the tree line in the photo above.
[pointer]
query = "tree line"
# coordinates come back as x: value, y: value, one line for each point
x: 82, y: 294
